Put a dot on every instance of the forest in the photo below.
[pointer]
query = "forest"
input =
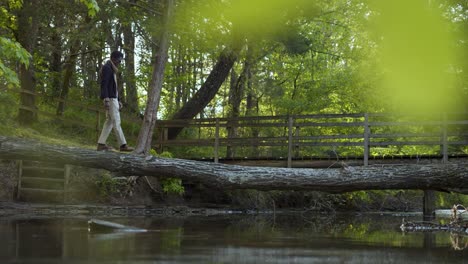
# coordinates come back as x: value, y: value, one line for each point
x: 186, y: 59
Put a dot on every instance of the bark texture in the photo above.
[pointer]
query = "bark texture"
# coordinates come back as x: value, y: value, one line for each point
x: 441, y: 177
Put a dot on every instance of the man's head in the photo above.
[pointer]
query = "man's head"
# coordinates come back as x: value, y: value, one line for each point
x: 116, y: 57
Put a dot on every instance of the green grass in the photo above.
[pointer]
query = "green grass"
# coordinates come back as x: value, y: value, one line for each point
x: 51, y: 130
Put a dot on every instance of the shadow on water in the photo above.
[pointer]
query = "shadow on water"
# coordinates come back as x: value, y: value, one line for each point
x: 284, y: 238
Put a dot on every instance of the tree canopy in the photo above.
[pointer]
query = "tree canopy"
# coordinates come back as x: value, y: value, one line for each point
x: 239, y: 58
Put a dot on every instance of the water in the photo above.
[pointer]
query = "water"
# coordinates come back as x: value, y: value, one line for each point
x: 293, y: 238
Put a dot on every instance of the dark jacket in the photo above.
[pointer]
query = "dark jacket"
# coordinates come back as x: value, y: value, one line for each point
x: 108, y: 85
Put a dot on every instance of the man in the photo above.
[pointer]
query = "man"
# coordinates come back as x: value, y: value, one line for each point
x: 110, y: 97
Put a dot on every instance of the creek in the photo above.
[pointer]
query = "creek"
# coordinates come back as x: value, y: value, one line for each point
x: 229, y: 238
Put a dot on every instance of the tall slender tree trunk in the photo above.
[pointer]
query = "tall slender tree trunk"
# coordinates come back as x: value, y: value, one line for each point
x: 56, y: 63
x: 232, y: 130
x: 130, y: 79
x: 26, y: 35
x: 236, y: 94
x: 146, y: 132
x: 89, y: 64
x: 180, y: 87
x: 251, y: 105
x: 69, y: 69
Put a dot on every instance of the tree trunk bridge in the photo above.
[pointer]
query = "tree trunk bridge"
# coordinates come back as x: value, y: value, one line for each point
x: 449, y: 176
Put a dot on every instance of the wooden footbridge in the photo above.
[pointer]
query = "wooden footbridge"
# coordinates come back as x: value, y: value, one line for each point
x: 324, y: 140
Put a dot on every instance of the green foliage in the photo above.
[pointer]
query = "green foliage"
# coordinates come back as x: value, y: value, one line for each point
x: 169, y: 185
x: 417, y: 55
x: 164, y: 154
x: 361, y: 196
x: 447, y: 200
x: 382, y: 200
x: 172, y: 185
x: 92, y: 6
x: 11, y: 51
x: 107, y: 186
x: 7, y: 100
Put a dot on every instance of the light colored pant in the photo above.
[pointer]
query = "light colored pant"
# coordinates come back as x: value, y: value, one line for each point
x: 112, y: 122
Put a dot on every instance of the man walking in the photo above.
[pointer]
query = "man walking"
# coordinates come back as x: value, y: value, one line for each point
x: 110, y: 97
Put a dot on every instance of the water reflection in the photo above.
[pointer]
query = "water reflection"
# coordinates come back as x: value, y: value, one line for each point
x: 229, y: 239
x: 459, y: 242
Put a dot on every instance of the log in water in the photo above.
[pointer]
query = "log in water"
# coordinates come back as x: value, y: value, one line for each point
x: 101, y: 226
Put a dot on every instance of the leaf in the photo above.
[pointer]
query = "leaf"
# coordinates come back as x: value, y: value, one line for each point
x: 10, y: 76
x: 92, y: 6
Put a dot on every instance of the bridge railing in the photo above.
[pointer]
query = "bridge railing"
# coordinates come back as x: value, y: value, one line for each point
x: 333, y: 136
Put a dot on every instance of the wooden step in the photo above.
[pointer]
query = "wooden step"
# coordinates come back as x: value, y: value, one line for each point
x: 42, y: 190
x: 42, y: 179
x: 43, y: 168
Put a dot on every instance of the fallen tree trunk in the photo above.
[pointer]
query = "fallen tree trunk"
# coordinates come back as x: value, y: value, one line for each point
x: 441, y: 177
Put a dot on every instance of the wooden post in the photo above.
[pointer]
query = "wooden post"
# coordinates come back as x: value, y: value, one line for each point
x: 366, y: 139
x: 216, y: 143
x: 20, y: 174
x: 17, y: 239
x: 296, y: 147
x: 290, y: 141
x: 165, y: 137
x: 429, y: 205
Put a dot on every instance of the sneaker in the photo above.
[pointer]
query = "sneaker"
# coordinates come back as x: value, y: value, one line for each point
x: 126, y: 148
x: 104, y: 147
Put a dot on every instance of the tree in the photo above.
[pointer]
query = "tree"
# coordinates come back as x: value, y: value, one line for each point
x: 11, y: 51
x: 130, y: 79
x: 236, y: 94
x: 208, y: 90
x: 26, y: 34
x: 149, y: 120
x: 273, y: 16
